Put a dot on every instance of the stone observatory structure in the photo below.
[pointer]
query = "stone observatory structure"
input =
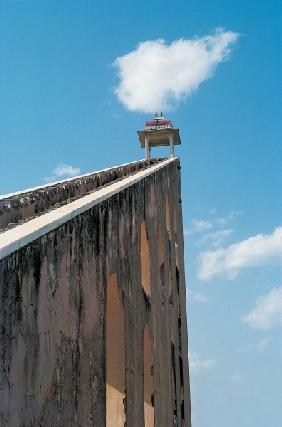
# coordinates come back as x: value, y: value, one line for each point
x: 92, y: 301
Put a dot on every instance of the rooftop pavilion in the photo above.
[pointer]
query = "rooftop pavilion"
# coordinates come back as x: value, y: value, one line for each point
x: 158, y: 132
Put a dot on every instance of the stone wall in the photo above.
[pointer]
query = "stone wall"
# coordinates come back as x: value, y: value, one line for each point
x: 23, y: 206
x: 94, y: 312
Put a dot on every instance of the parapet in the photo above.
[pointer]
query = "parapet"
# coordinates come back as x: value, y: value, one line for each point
x: 19, y: 207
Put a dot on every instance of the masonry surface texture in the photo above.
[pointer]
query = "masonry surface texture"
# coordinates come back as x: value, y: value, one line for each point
x: 93, y: 325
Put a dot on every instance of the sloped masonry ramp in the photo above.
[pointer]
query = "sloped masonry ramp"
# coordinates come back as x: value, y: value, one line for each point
x: 17, y: 208
x: 93, y: 328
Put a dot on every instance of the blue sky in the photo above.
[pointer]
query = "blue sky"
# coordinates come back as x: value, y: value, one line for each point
x: 58, y: 107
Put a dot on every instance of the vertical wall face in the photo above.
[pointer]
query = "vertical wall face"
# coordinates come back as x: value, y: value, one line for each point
x: 93, y: 316
x: 145, y: 260
x: 52, y: 317
x: 115, y: 356
x: 148, y: 379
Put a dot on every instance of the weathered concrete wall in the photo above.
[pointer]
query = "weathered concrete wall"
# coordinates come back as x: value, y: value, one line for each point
x: 55, y: 298
x: 25, y: 205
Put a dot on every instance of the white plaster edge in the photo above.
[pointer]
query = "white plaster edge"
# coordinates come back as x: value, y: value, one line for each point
x: 21, y: 235
x: 51, y: 184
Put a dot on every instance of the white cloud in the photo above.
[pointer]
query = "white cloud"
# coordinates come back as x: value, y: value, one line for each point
x: 198, y: 365
x: 259, y: 250
x: 196, y: 298
x: 236, y: 379
x: 197, y: 226
x: 223, y: 221
x: 66, y: 170
x: 262, y: 344
x: 216, y: 238
x: 259, y: 346
x: 267, y: 313
x: 157, y: 76
x: 62, y: 171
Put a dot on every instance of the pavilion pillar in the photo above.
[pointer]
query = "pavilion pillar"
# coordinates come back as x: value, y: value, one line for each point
x: 147, y: 148
x: 171, y: 143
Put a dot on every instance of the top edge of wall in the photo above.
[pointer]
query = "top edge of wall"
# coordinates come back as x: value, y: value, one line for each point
x: 52, y: 184
x: 22, y: 235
